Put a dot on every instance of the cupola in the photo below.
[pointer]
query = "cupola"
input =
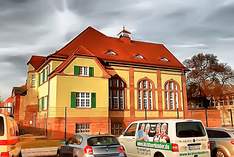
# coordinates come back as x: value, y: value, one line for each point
x: 125, y: 35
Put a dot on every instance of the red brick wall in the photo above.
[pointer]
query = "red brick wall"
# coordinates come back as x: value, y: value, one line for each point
x: 214, y: 117
x: 56, y: 126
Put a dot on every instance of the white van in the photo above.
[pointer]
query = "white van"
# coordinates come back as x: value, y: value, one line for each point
x: 9, y: 137
x: 166, y: 138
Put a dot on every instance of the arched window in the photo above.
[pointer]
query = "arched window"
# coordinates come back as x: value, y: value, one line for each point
x: 145, y: 95
x: 116, y: 93
x: 171, y: 95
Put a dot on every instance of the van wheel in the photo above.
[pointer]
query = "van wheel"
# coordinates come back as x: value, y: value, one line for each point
x: 158, y: 154
x: 219, y: 153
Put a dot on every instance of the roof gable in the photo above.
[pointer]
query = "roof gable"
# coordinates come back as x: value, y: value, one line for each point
x: 37, y: 61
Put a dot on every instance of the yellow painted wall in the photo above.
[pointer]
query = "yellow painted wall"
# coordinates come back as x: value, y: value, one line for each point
x: 30, y: 67
x: 52, y: 102
x: 68, y: 84
x: 150, y: 114
x: 32, y: 93
x: 62, y: 86
x: 80, y: 61
x: 43, y: 90
x: 54, y: 65
x: 172, y: 114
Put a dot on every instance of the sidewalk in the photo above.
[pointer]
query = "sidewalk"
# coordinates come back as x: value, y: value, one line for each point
x: 33, y: 146
x: 33, y: 152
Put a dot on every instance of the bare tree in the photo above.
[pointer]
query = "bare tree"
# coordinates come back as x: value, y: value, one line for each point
x: 207, y: 76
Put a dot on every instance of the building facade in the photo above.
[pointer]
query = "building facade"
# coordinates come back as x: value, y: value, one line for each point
x: 99, y: 84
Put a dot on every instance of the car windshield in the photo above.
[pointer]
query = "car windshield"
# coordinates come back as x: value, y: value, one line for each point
x: 189, y: 129
x: 102, y: 141
x: 1, y: 126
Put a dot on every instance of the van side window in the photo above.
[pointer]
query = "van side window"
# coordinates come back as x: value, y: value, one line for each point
x: 131, y: 130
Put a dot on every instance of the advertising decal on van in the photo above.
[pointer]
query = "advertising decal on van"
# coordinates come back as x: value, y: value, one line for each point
x: 153, y: 135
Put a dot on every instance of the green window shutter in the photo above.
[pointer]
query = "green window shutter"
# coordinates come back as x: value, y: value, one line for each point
x: 91, y: 71
x: 73, y: 100
x: 39, y: 105
x: 42, y: 103
x: 76, y: 70
x: 39, y: 80
x: 93, y: 100
x: 43, y: 76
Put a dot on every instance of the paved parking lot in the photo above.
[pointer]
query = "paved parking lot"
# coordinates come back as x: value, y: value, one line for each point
x: 36, y: 152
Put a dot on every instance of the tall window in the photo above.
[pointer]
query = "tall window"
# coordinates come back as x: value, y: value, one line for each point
x: 145, y: 95
x: 116, y: 93
x: 43, y: 75
x: 33, y: 81
x: 171, y: 95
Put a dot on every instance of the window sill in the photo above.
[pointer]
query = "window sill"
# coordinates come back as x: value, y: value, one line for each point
x: 118, y: 110
x: 83, y: 108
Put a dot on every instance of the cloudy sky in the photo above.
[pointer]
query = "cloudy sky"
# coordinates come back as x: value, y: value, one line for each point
x: 40, y: 27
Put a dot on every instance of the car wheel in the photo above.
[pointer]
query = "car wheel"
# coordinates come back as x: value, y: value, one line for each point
x: 158, y: 154
x: 58, y: 154
x: 220, y: 153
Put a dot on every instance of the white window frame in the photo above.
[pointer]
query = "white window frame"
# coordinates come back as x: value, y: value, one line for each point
x: 172, y: 96
x: 82, y: 97
x: 33, y: 80
x: 45, y: 103
x: 84, y: 71
x: 82, y: 128
x: 145, y: 86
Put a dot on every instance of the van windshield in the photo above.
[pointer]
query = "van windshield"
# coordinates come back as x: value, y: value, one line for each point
x: 1, y: 126
x: 190, y: 129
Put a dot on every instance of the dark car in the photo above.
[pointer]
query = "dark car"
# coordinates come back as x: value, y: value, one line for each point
x: 221, y: 142
x: 82, y: 145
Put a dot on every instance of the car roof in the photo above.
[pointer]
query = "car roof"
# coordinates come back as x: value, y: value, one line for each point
x: 221, y: 129
x: 93, y: 135
x: 166, y: 120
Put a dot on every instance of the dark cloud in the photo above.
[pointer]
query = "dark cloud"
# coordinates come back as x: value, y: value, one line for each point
x: 41, y: 27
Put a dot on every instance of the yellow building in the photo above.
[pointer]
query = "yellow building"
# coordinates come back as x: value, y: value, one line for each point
x: 98, y: 83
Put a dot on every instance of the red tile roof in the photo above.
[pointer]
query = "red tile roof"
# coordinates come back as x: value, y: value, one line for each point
x: 93, y: 43
x: 37, y: 61
x: 98, y: 43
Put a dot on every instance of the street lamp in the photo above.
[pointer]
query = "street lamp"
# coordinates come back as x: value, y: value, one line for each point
x: 145, y: 107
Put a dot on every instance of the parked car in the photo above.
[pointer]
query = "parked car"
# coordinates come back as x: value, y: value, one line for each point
x: 221, y: 142
x: 82, y: 145
x: 166, y: 138
x: 9, y: 137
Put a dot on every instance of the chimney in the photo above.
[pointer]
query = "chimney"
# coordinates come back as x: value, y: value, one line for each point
x: 125, y: 36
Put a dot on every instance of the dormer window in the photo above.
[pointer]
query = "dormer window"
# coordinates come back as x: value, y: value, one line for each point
x: 111, y: 53
x: 164, y: 59
x: 138, y: 56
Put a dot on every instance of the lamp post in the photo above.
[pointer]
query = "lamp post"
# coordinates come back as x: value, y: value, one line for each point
x: 230, y: 110
x: 145, y: 107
